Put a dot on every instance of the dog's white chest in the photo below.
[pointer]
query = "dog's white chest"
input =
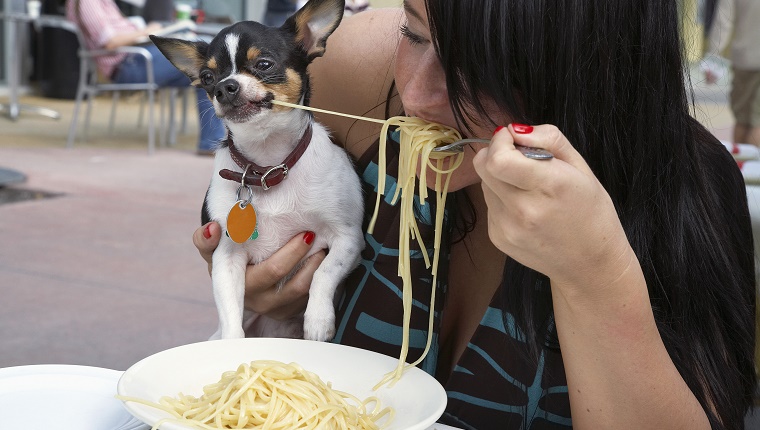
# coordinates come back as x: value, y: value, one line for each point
x: 274, y: 230
x: 279, y: 217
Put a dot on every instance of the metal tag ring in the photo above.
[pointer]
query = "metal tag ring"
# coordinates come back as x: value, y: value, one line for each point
x: 246, y: 201
x: 242, y: 177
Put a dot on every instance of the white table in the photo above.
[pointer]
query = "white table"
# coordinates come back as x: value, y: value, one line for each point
x: 13, y: 71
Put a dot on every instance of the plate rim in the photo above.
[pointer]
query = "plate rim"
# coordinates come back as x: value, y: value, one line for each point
x: 62, y: 369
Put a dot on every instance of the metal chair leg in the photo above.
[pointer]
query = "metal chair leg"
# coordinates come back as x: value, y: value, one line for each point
x: 112, y: 119
x: 141, y: 112
x: 74, y: 119
x: 185, y: 96
x: 172, y: 131
x: 161, y: 123
x: 151, y: 123
x: 86, y: 134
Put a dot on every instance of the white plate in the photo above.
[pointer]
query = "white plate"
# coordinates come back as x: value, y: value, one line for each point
x: 419, y: 400
x: 62, y: 397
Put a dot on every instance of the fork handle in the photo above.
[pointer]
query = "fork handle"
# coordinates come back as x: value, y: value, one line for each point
x: 535, y: 153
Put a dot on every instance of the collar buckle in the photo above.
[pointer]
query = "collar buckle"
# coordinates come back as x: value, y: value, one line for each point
x: 272, y: 170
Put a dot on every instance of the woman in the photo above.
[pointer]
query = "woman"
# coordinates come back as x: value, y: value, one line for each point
x: 104, y: 27
x: 620, y: 291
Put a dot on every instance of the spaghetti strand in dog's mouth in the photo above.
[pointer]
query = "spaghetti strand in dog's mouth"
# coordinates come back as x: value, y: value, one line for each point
x: 262, y: 103
x: 313, y: 109
x: 240, y: 113
x: 265, y: 102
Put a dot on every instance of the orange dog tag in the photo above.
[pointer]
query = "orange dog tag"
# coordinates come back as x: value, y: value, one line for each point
x: 241, y: 221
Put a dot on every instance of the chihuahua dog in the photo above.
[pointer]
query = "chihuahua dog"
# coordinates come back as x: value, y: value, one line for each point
x: 278, y: 173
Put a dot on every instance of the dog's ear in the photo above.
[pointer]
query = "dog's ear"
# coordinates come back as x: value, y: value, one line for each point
x: 314, y: 23
x: 187, y: 56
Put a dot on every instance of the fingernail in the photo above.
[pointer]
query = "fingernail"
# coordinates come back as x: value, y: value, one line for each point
x: 308, y: 237
x: 498, y: 129
x: 522, y: 128
x: 207, y: 231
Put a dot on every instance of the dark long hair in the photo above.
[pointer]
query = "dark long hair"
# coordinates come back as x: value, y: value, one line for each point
x: 610, y: 75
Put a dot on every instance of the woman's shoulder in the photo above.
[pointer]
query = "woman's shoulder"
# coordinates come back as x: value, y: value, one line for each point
x: 355, y: 76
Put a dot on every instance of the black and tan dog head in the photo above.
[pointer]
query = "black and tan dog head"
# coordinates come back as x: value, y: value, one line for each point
x: 248, y: 64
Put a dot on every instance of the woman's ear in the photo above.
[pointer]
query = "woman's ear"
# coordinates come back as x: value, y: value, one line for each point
x: 314, y: 23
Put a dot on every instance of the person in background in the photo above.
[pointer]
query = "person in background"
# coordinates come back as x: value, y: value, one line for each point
x: 278, y: 11
x: 611, y: 287
x: 104, y: 27
x: 707, y: 14
x: 738, y: 22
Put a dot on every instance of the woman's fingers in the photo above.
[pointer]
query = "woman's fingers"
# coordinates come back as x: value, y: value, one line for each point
x: 270, y: 271
x: 501, y: 161
x: 263, y: 293
x: 261, y: 280
x: 551, y: 215
x: 291, y: 299
x: 206, y: 239
x: 551, y: 139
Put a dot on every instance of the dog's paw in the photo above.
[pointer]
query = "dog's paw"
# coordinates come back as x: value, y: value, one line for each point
x: 231, y: 333
x: 320, y: 329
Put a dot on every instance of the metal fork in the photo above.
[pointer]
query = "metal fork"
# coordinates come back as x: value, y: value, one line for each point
x: 530, y: 152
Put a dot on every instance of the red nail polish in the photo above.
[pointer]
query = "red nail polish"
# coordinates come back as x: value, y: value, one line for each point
x: 308, y: 237
x: 522, y: 128
x: 498, y: 129
x: 207, y: 231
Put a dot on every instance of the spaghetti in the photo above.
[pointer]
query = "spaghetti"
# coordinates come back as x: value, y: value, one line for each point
x: 271, y: 395
x: 417, y: 140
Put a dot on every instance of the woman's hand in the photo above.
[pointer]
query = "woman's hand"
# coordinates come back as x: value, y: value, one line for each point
x: 261, y: 293
x: 152, y: 28
x: 553, y: 216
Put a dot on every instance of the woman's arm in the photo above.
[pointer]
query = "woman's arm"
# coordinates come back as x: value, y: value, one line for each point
x: 103, y: 24
x: 555, y: 217
x: 131, y: 38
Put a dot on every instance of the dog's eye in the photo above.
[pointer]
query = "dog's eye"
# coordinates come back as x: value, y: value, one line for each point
x: 263, y: 65
x: 207, y: 78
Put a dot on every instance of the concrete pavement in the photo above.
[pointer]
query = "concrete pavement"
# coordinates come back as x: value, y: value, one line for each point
x: 104, y: 273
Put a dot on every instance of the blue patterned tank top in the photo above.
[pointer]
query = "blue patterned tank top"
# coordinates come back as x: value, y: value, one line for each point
x: 493, y: 385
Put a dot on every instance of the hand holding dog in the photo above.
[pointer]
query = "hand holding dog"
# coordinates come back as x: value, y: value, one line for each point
x: 261, y: 293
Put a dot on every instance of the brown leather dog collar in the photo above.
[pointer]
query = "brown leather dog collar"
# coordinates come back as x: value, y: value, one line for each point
x: 265, y: 177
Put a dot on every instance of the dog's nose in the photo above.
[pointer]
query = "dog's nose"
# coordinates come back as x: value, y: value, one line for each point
x: 227, y: 91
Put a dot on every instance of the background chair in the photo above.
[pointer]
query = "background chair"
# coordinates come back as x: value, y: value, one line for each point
x: 90, y: 85
x: 167, y: 99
